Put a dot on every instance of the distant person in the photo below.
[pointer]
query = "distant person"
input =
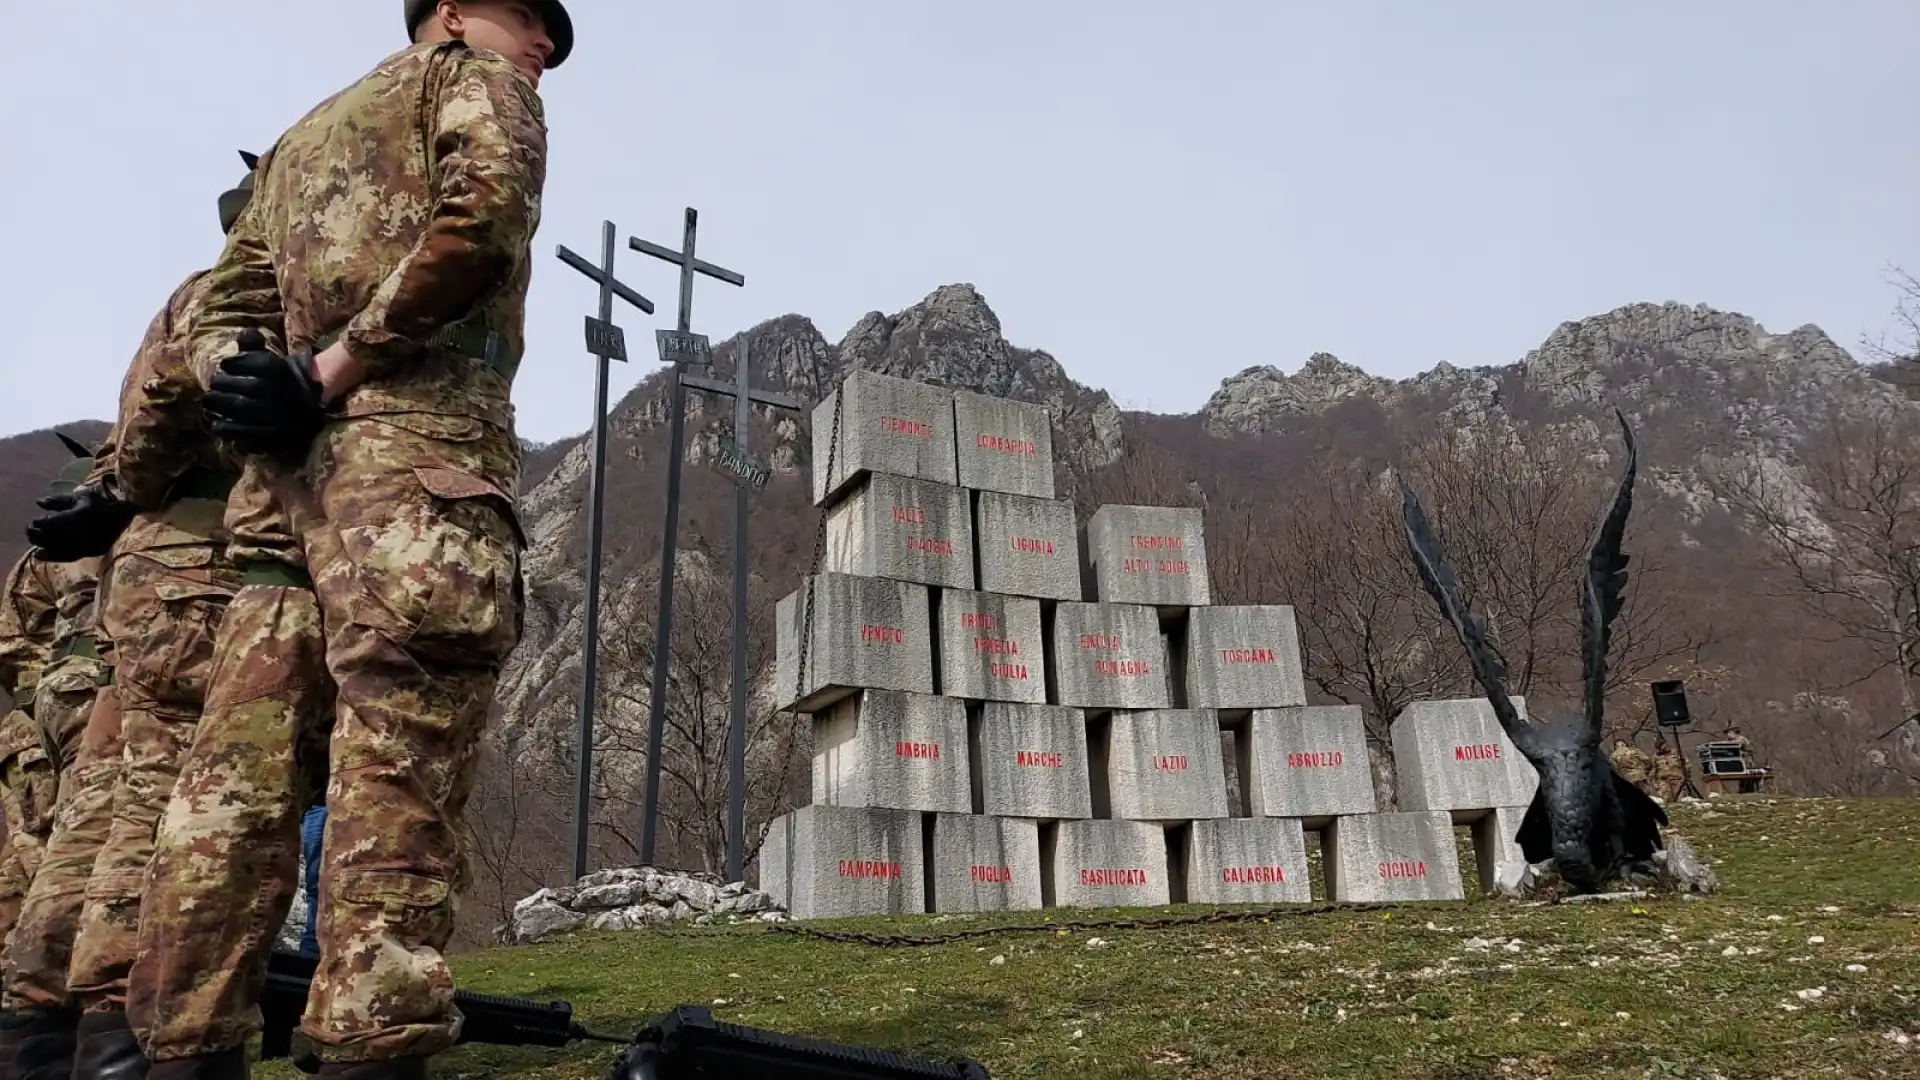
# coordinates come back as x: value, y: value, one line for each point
x: 1632, y: 763
x: 313, y: 830
x: 1669, y: 774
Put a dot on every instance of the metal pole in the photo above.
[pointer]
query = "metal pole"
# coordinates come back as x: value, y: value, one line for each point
x: 663, y: 624
x: 596, y: 498
x: 737, y: 721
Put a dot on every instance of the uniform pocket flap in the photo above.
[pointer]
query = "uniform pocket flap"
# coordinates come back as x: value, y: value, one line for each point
x: 454, y: 484
x: 390, y: 887
x: 190, y: 590
x: 190, y: 556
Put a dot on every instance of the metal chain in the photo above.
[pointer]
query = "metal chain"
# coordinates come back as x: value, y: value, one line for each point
x: 819, y: 549
x: 1237, y: 915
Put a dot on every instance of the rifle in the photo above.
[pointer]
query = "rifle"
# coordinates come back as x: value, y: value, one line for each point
x: 689, y: 1044
x: 498, y: 1021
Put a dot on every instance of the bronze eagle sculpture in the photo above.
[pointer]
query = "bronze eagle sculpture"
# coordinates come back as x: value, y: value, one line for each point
x: 1592, y: 822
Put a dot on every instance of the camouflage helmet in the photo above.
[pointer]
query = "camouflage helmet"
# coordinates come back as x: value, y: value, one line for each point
x: 552, y: 12
x: 234, y: 200
x: 74, y: 472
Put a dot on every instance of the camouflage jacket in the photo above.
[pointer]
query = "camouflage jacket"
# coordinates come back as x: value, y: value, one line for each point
x: 45, y: 604
x: 399, y: 207
x: 161, y: 433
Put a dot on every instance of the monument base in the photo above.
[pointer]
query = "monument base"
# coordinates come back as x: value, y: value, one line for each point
x: 1377, y: 858
x: 1105, y: 864
x: 832, y: 861
x: 985, y: 864
x: 1246, y: 861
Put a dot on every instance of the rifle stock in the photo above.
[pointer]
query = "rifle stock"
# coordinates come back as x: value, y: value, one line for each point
x: 689, y: 1044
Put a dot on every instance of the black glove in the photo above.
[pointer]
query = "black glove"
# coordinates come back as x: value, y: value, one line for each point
x: 81, y: 524
x: 265, y: 403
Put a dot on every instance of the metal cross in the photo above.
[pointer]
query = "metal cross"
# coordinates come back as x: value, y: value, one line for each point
x: 607, y: 342
x: 748, y: 474
x: 681, y: 350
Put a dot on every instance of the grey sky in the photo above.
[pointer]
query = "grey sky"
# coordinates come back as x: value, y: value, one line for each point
x: 1159, y: 194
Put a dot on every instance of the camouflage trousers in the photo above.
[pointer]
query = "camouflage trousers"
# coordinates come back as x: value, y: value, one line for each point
x: 42, y: 944
x: 27, y: 790
x: 165, y: 593
x: 414, y: 551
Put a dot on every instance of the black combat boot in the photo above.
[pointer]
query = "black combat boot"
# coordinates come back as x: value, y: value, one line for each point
x: 219, y: 1065
x: 413, y: 1068
x: 108, y: 1049
x: 45, y: 1047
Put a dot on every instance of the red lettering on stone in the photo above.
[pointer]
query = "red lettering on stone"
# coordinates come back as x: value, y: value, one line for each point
x: 1253, y: 875
x: 971, y: 621
x: 1135, y: 566
x: 1479, y: 752
x: 1113, y: 876
x: 926, y: 545
x: 1006, y: 671
x: 1246, y: 656
x: 992, y: 875
x: 925, y: 751
x: 1121, y: 667
x: 1173, y: 566
x: 1170, y: 762
x: 868, y: 868
x: 909, y: 515
x: 996, y: 646
x: 1402, y: 869
x: 1037, y: 759
x: 884, y: 635
x: 1315, y: 759
x: 903, y: 426
x: 1031, y: 545
x: 1156, y: 543
x: 1011, y: 446
x: 1100, y: 642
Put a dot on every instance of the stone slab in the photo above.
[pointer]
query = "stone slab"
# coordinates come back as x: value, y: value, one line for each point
x: 1031, y: 761
x: 1375, y: 858
x: 1494, y: 845
x: 991, y: 648
x: 1108, y: 656
x: 1452, y: 755
x: 1309, y: 763
x: 895, y: 751
x: 1148, y: 555
x: 1247, y: 861
x: 887, y: 425
x: 1003, y: 445
x: 908, y: 530
x: 1163, y: 765
x: 1027, y: 547
x: 1106, y: 864
x: 1244, y: 657
x: 868, y: 633
x: 832, y: 861
x: 985, y: 864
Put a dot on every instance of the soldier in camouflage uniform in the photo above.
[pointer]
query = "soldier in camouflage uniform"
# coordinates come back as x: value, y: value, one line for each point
x: 1669, y: 773
x: 389, y: 248
x: 155, y: 500
x: 37, y: 1031
x: 1631, y: 763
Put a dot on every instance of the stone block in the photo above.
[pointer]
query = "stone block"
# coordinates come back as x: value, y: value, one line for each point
x: 1494, y: 844
x: 1148, y: 555
x: 1243, y: 658
x: 895, y: 751
x: 1108, y: 656
x: 909, y: 530
x: 1452, y: 755
x: 833, y: 861
x: 1163, y: 765
x: 1309, y: 763
x: 868, y: 634
x: 1106, y: 864
x: 985, y: 864
x: 1028, y: 547
x: 1377, y: 858
x: 887, y: 425
x: 1030, y: 761
x: 1247, y: 861
x: 1003, y: 445
x: 991, y: 648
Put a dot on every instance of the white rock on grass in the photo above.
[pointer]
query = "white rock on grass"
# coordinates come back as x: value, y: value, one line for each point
x: 636, y: 899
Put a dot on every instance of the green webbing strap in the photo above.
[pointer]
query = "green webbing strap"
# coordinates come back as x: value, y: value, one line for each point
x: 85, y: 646
x: 23, y: 699
x: 203, y: 483
x: 278, y: 575
x: 472, y: 340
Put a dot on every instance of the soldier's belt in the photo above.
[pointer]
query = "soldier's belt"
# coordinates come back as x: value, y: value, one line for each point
x: 472, y: 340
x: 203, y: 483
x: 276, y: 575
x: 23, y: 699
x: 85, y: 646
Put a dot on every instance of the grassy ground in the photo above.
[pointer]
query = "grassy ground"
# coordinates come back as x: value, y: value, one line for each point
x: 1818, y: 895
